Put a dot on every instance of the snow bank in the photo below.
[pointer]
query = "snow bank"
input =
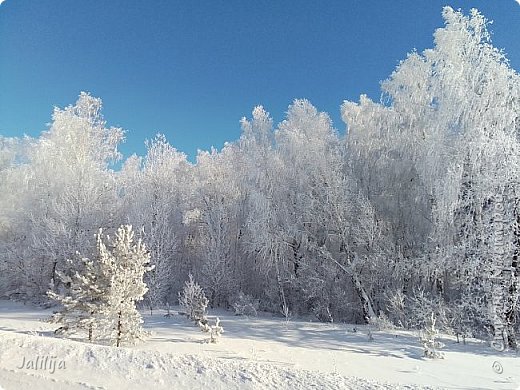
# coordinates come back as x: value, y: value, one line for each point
x: 262, y: 352
x: 85, y: 366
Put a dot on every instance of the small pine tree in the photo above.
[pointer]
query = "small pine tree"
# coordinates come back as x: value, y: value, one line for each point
x: 193, y: 301
x: 103, y: 294
x: 430, y: 344
x: 84, y: 300
x: 126, y: 263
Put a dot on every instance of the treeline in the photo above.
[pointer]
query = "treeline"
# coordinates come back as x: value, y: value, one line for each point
x: 415, y: 210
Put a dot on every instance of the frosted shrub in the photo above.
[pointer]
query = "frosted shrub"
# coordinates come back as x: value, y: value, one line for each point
x: 382, y: 322
x: 429, y: 342
x: 245, y: 305
x: 419, y: 309
x: 215, y: 331
x: 323, y: 313
x: 397, y: 308
x: 193, y: 300
x: 462, y: 317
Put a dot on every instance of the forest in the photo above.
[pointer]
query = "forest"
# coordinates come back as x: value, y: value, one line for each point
x: 414, y: 209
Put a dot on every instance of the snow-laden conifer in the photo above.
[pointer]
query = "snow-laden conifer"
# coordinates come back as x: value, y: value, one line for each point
x: 125, y: 263
x: 429, y: 340
x: 84, y: 299
x: 193, y: 300
x: 103, y: 294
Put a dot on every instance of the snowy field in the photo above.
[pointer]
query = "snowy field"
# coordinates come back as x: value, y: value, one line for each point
x: 254, y: 353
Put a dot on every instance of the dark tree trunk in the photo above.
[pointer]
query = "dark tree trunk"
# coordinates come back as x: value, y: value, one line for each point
x: 119, y: 329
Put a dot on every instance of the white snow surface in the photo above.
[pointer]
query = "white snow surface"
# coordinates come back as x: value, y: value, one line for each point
x: 254, y: 353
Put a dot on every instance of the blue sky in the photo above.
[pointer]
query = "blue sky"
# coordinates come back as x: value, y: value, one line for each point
x: 192, y: 69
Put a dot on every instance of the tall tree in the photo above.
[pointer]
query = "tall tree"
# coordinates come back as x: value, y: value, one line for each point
x: 68, y: 191
x: 155, y: 192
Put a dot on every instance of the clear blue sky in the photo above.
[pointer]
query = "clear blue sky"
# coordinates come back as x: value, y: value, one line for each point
x: 192, y: 69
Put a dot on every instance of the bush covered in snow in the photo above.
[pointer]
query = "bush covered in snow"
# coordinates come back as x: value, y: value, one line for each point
x: 429, y: 340
x: 245, y: 305
x: 193, y: 300
x: 215, y: 331
x: 382, y: 322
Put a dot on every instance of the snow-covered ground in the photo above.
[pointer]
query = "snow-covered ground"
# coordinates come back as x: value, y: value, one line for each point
x: 254, y: 353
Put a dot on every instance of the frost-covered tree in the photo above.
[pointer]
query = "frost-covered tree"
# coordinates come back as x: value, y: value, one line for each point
x: 477, y: 207
x: 429, y: 340
x: 66, y: 191
x: 219, y: 224
x: 438, y: 161
x: 333, y: 240
x: 13, y: 153
x: 260, y: 168
x: 124, y: 263
x: 104, y: 291
x: 245, y: 305
x: 84, y: 298
x: 193, y: 300
x: 155, y: 190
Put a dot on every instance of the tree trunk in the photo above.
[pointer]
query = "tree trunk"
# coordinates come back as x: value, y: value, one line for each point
x: 119, y: 329
x: 368, y: 310
x: 285, y: 306
x: 54, y: 276
x: 366, y: 302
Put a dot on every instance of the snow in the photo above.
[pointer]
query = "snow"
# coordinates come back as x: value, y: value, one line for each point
x: 255, y: 353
